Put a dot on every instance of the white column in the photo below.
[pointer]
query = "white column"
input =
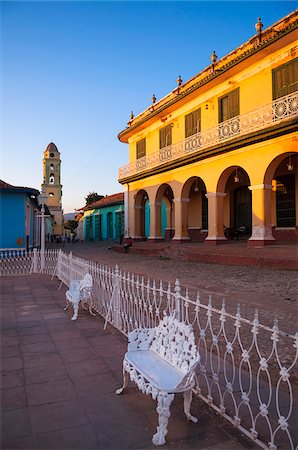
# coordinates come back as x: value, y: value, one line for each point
x: 126, y: 212
x: 261, y: 215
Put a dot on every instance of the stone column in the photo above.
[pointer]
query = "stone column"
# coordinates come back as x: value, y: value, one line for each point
x: 261, y: 216
x: 181, y: 210
x: 126, y: 211
x: 137, y: 223
x: 155, y: 222
x: 215, y: 218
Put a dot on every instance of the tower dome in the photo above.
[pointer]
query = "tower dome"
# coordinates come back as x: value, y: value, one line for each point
x: 52, y: 148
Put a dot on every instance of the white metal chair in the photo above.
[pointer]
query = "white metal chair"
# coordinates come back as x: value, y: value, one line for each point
x: 79, y: 291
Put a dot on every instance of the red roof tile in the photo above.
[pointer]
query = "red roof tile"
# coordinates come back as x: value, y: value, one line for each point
x: 107, y: 200
x: 10, y: 187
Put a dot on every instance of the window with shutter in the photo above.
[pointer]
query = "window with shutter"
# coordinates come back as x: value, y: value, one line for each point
x: 165, y: 136
x: 193, y: 123
x: 228, y: 106
x: 141, y: 148
x: 285, y: 79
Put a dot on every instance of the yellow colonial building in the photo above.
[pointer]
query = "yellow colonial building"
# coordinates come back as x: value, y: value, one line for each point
x: 216, y: 158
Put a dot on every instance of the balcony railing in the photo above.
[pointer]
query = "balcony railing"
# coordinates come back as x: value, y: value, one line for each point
x: 260, y: 118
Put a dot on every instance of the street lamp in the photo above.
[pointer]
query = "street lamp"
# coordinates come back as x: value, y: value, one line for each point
x: 42, y: 199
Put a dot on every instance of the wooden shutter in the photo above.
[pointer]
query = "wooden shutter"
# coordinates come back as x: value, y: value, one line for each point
x: 141, y: 148
x: 228, y: 106
x: 285, y: 79
x: 165, y: 136
x: 193, y: 123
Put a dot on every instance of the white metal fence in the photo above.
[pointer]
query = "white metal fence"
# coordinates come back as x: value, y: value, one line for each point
x: 248, y: 372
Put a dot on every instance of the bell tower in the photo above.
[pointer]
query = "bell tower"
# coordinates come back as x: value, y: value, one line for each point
x: 52, y: 185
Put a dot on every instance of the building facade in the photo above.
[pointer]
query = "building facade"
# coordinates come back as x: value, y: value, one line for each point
x: 220, y: 150
x: 18, y: 217
x: 52, y: 186
x: 104, y: 219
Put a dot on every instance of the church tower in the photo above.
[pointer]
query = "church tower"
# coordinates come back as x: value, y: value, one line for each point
x: 52, y: 185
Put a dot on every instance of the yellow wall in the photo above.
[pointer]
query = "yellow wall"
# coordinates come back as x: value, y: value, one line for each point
x: 254, y: 82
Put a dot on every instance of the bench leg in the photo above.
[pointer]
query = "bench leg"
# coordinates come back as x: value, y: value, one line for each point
x: 187, y: 402
x: 90, y: 308
x: 67, y: 305
x: 164, y: 401
x: 125, y: 381
x: 75, y: 310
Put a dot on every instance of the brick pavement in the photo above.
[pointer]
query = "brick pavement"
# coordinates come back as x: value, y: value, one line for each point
x: 59, y: 379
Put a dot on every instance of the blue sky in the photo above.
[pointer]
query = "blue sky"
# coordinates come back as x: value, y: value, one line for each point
x: 72, y: 71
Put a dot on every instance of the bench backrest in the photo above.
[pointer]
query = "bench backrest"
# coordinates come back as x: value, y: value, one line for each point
x: 175, y: 342
x: 86, y: 286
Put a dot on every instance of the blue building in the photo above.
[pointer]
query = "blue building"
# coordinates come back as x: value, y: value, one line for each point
x: 18, y: 210
x: 104, y: 219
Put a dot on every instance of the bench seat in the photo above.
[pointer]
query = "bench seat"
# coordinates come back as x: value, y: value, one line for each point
x: 162, y: 375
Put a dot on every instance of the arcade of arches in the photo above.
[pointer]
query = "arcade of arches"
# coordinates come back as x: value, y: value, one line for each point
x: 238, y: 209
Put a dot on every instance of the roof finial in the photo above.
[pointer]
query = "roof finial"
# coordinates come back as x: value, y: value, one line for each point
x: 213, y: 58
x: 259, y: 27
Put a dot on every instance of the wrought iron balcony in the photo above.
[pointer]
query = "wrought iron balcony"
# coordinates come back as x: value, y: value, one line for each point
x: 281, y: 109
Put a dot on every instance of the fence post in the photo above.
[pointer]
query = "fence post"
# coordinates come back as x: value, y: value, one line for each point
x: 116, y: 298
x: 71, y: 277
x: 114, y: 306
x: 177, y: 299
x: 34, y: 260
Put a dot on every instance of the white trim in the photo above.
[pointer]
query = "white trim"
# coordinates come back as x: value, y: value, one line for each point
x: 216, y: 194
x: 260, y: 186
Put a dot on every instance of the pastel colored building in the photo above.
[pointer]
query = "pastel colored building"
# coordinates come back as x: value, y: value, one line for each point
x: 104, y: 219
x: 18, y: 211
x: 220, y: 150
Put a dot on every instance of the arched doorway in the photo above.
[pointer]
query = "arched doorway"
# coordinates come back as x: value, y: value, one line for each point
x: 282, y: 174
x: 110, y: 225
x: 195, y: 217
x: 237, y: 203
x: 142, y: 215
x: 165, y: 212
x: 242, y: 211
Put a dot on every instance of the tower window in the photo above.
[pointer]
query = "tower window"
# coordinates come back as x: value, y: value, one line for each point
x: 52, y: 167
x: 52, y: 179
x: 51, y: 194
x: 52, y: 155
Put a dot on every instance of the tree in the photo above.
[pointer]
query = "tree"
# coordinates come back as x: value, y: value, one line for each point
x: 71, y: 225
x: 92, y: 197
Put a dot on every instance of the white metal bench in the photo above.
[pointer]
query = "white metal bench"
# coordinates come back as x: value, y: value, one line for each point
x: 79, y: 291
x: 162, y: 362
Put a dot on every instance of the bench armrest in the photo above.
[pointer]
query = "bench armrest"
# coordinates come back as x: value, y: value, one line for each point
x: 140, y: 338
x: 188, y: 379
x: 74, y: 285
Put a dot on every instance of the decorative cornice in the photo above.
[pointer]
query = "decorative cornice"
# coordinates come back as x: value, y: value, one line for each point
x: 258, y: 46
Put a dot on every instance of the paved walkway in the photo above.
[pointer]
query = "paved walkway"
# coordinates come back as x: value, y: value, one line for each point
x: 59, y: 379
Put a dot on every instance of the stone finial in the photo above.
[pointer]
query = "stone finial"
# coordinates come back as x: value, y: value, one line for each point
x: 179, y: 81
x: 213, y: 57
x: 153, y: 99
x: 131, y: 115
x: 259, y: 27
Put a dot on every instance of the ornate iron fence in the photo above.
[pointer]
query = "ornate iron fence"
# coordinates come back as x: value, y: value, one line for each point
x: 248, y: 371
x: 262, y: 117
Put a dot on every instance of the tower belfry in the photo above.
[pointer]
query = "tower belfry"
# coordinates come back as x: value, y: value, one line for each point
x: 52, y: 185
